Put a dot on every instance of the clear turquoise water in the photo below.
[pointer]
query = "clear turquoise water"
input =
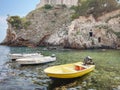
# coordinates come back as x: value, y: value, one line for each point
x: 106, y: 76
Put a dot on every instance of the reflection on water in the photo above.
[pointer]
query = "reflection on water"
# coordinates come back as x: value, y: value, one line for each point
x: 3, y: 59
x: 106, y: 76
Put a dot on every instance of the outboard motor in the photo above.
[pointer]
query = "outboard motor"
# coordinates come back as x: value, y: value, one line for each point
x: 88, y: 61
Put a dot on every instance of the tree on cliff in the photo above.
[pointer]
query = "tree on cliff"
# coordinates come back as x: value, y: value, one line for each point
x: 15, y: 21
x: 18, y: 23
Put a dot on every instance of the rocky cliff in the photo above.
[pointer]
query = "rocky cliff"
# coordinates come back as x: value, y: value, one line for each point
x: 55, y: 27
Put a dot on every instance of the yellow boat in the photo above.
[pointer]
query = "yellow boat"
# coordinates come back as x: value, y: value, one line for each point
x: 72, y: 70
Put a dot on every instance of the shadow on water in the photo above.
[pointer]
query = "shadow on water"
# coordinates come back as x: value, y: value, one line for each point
x: 57, y: 83
x: 37, y: 64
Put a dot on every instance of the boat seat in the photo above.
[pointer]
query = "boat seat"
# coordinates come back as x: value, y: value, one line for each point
x: 68, y: 70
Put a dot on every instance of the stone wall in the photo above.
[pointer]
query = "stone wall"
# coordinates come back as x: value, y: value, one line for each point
x: 57, y: 2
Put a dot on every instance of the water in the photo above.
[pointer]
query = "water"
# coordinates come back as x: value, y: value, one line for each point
x: 106, y: 76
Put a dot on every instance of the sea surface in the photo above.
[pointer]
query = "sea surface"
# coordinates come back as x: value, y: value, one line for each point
x: 106, y: 75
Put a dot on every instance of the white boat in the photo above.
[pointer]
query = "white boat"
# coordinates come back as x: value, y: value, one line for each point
x: 18, y: 56
x: 35, y: 60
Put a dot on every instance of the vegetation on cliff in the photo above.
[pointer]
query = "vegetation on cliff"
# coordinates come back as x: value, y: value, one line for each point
x: 47, y: 6
x: 18, y: 23
x: 94, y: 7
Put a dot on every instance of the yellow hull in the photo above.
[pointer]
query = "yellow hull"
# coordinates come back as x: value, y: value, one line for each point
x: 68, y: 70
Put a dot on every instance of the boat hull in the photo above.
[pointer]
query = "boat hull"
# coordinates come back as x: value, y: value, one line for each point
x: 13, y: 57
x: 35, y: 60
x: 67, y: 71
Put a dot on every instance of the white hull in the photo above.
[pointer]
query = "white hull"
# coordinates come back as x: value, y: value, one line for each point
x: 35, y: 60
x: 18, y: 56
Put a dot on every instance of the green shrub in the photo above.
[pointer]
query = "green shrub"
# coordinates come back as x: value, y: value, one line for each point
x: 117, y: 34
x: 19, y: 23
x: 94, y: 7
x: 15, y: 21
x: 47, y: 6
x: 75, y: 16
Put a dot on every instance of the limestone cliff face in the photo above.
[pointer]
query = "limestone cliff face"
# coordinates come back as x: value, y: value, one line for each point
x: 44, y: 23
x: 58, y: 2
x: 86, y: 32
x: 54, y: 27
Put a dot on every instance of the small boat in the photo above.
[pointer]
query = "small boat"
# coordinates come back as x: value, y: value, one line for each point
x: 19, y: 55
x: 35, y: 60
x: 72, y: 70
